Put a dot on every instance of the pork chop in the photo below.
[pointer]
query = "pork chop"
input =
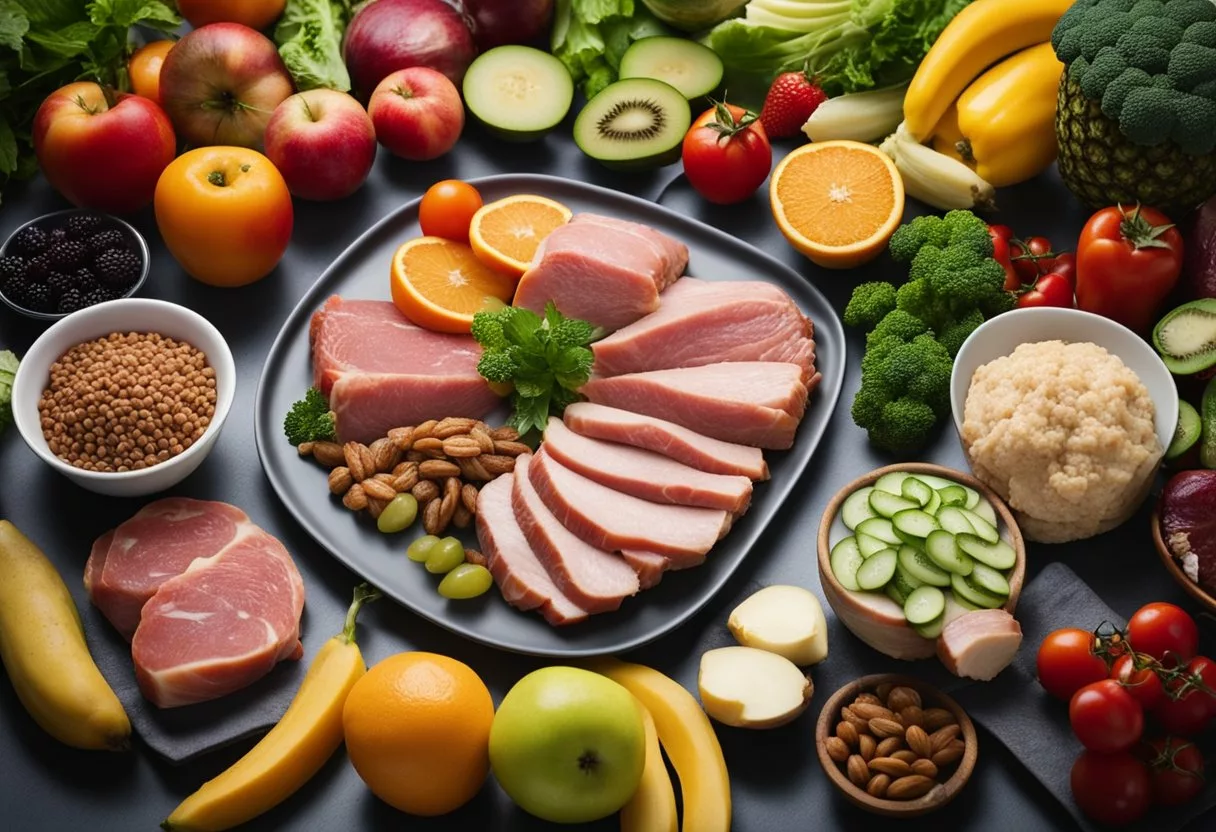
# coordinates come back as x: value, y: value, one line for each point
x: 650, y: 566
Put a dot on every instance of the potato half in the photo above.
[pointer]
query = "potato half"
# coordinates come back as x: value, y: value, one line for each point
x: 786, y: 620
x: 749, y: 688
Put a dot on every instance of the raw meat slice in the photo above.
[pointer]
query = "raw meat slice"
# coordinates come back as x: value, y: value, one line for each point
x: 522, y: 579
x: 650, y: 566
x: 380, y: 371
x: 750, y: 402
x: 220, y: 625
x: 645, y: 474
x: 667, y: 438
x: 706, y: 322
x: 594, y: 579
x: 672, y: 253
x: 156, y: 544
x: 611, y: 520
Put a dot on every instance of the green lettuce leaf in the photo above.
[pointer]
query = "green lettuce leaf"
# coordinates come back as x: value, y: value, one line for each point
x: 590, y: 36
x: 309, y: 35
x: 8, y: 371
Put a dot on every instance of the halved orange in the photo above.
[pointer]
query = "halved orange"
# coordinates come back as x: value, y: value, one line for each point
x: 837, y: 202
x: 440, y: 284
x: 506, y: 233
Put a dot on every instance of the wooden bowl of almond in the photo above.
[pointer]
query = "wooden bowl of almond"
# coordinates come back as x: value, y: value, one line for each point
x: 895, y: 746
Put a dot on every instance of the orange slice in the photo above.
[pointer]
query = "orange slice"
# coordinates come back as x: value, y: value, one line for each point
x: 506, y: 233
x: 837, y: 202
x: 440, y: 284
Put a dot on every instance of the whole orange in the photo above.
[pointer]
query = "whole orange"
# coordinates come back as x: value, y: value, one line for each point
x: 256, y: 14
x: 144, y: 68
x: 225, y: 214
x: 417, y: 729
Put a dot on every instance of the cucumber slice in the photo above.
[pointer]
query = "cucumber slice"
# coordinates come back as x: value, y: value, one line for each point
x: 870, y: 545
x: 887, y: 505
x: 964, y: 589
x: 695, y: 70
x: 892, y: 483
x: 989, y: 580
x: 881, y: 528
x: 985, y: 510
x: 914, y: 522
x: 982, y: 527
x: 953, y: 520
x: 856, y: 508
x: 846, y: 559
x: 935, y: 503
x: 973, y: 497
x: 925, y: 604
x: 999, y: 555
x: 910, y: 539
x: 931, y: 630
x: 943, y: 551
x: 914, y: 489
x: 906, y: 581
x: 964, y: 603
x: 635, y: 124
x: 918, y: 565
x: 936, y: 483
x: 893, y: 592
x: 518, y: 92
x: 953, y: 495
x: 876, y: 571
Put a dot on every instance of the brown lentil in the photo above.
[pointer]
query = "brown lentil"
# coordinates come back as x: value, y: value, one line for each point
x: 127, y: 401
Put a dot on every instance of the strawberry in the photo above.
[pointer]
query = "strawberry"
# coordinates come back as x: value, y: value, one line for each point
x: 789, y: 103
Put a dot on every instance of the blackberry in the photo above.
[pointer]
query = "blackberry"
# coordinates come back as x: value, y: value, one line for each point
x: 70, y: 301
x: 38, y: 268
x: 59, y: 283
x: 82, y: 226
x: 11, y: 267
x: 103, y: 240
x: 67, y: 255
x: 99, y: 295
x: 56, y: 237
x: 29, y: 241
x: 37, y: 298
x: 117, y: 267
x: 14, y: 289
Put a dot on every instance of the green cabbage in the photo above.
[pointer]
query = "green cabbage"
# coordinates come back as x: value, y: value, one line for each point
x: 693, y: 15
x: 309, y: 35
x: 590, y: 36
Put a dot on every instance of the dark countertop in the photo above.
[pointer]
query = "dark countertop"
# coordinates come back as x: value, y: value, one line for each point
x: 776, y: 781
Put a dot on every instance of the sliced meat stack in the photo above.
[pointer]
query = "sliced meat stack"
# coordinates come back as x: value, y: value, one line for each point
x: 380, y: 371
x: 210, y: 601
x: 603, y: 270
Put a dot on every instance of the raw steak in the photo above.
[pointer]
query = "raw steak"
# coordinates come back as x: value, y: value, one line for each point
x: 750, y: 402
x: 612, y: 520
x: 645, y: 474
x: 667, y: 438
x: 594, y: 579
x: 605, y: 271
x: 521, y: 578
x: 706, y: 322
x: 380, y: 371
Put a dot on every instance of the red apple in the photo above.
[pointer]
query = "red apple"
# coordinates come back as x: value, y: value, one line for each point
x: 323, y: 143
x: 220, y: 84
x: 102, y: 151
x: 417, y: 113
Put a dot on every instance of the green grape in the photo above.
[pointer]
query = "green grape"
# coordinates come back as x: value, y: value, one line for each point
x: 445, y: 556
x: 468, y: 580
x: 398, y: 515
x: 421, y: 548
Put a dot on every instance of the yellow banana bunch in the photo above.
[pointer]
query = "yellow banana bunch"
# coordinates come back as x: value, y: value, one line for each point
x: 653, y: 806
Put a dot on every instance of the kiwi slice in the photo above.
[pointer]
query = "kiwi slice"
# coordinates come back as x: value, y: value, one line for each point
x: 1186, y: 337
x: 634, y: 124
x: 1189, y: 429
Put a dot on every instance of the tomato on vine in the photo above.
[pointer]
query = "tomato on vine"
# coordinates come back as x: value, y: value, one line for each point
x: 1067, y: 661
x: 1175, y: 768
x: 1164, y: 631
x: 1112, y: 789
x: 1138, y: 675
x: 1105, y: 717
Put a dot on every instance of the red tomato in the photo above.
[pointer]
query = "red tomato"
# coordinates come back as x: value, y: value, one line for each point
x: 1051, y: 289
x: 1001, y: 235
x: 726, y: 154
x: 1105, y: 717
x: 1160, y: 628
x: 1067, y: 663
x: 1176, y: 770
x: 1065, y: 264
x: 1141, y: 682
x: 1031, y: 257
x: 1128, y: 260
x: 447, y: 209
x: 1186, y: 716
x: 1112, y: 789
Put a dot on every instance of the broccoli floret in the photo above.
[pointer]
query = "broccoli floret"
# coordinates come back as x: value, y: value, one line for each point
x: 309, y: 419
x: 902, y: 426
x: 870, y: 303
x: 898, y: 325
x: 903, y: 373
x: 953, y: 336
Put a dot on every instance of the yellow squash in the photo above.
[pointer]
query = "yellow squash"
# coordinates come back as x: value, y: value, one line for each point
x: 979, y: 36
x: 294, y: 750
x: 653, y: 806
x: 43, y: 649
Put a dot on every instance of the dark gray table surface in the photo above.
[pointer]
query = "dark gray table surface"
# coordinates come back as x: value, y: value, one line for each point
x: 776, y: 781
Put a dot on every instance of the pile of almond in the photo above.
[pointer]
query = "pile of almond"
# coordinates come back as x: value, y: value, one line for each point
x: 890, y: 745
x: 442, y: 462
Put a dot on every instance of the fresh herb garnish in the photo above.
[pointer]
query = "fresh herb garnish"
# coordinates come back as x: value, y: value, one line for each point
x: 546, y: 358
x: 8, y: 371
x: 309, y: 419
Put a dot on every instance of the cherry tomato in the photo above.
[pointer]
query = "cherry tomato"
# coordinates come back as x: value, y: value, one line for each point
x: 447, y: 209
x: 1051, y: 289
x: 1112, y: 789
x: 1001, y: 235
x: 1160, y: 628
x: 1141, y: 682
x: 1105, y: 717
x: 1030, y: 257
x: 1186, y: 716
x: 1067, y: 662
x: 1196, y: 684
x: 1065, y: 264
x: 727, y: 155
x: 1175, y: 769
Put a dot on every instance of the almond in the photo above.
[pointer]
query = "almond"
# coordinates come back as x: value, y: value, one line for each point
x: 883, y: 728
x: 385, y: 454
x: 461, y: 517
x: 428, y: 445
x: 483, y: 439
x: 355, y: 499
x: 468, y: 496
x: 430, y: 518
x: 305, y: 448
x: 942, y: 736
x: 857, y: 722
x: 506, y: 434
x: 910, y: 787
x: 877, y: 787
x: 415, y: 456
x: 925, y: 768
x: 891, y: 766
x: 867, y: 711
x: 496, y: 464
x: 329, y: 454
x: 474, y: 470
x: 937, y: 718
x: 918, y: 741
x: 837, y: 749
x: 403, y: 438
x: 952, y: 753
x: 461, y: 447
x: 888, y: 746
x: 475, y: 557
x: 506, y: 448
x: 883, y: 691
x: 359, y: 460
x: 912, y: 715
x: 402, y: 467
x: 453, y: 426
x: 423, y: 431
x: 858, y: 771
x: 438, y: 469
x: 340, y: 480
x: 377, y: 490
x: 425, y: 491
x: 905, y: 754
x: 847, y: 732
x: 375, y: 507
x: 451, y: 499
x: 866, y: 745
x: 866, y: 699
x: 407, y: 479
x: 901, y: 697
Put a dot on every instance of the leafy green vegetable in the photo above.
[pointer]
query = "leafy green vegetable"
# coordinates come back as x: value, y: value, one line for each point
x: 45, y: 44
x: 590, y: 36
x: 309, y: 35
x: 8, y: 371
x: 309, y: 419
x: 547, y: 359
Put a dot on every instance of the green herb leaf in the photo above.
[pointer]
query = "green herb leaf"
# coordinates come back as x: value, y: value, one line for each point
x: 309, y: 419
x: 8, y: 148
x: 8, y: 371
x: 127, y: 13
x: 13, y: 24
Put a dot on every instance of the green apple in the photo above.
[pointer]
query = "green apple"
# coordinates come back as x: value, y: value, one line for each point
x: 568, y: 745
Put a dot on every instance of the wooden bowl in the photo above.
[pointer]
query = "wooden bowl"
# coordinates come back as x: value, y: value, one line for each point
x: 873, y: 617
x: 1175, y: 569
x: 941, y: 794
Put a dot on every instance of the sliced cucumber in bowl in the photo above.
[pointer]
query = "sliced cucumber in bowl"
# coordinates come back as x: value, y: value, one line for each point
x: 876, y: 571
x: 925, y: 604
x: 918, y: 564
x: 856, y: 508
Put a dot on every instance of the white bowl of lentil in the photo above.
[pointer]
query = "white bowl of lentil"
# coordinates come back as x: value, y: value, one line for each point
x: 186, y: 397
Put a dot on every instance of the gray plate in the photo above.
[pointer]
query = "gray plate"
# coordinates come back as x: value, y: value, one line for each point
x: 362, y: 272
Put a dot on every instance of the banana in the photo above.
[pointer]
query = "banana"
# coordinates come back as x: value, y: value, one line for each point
x: 687, y: 737
x: 294, y: 750
x: 980, y: 35
x: 653, y: 806
x: 43, y: 649
x: 937, y: 179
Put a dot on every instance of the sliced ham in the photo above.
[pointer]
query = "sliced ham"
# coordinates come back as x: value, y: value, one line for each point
x: 756, y: 403
x: 667, y: 438
x: 380, y: 371
x: 605, y: 271
x: 612, y: 520
x: 707, y: 322
x: 650, y: 566
x: 979, y: 644
x: 519, y: 574
x: 643, y: 473
x: 594, y: 579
